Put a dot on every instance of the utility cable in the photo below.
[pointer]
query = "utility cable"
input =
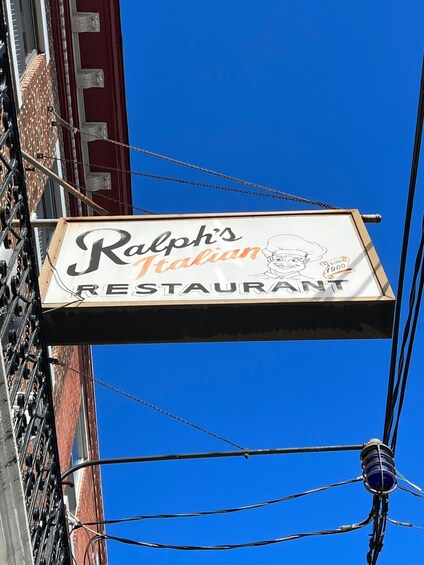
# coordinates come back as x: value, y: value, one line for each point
x: 169, y: 179
x: 258, y: 543
x: 116, y: 200
x: 97, y: 538
x: 102, y: 195
x: 404, y: 362
x: 75, y: 523
x: 380, y: 519
x: 224, y: 510
x: 131, y: 206
x: 404, y: 253
x: 406, y: 489
x: 403, y: 478
x: 379, y: 512
x: 63, y: 123
x: 412, y: 300
x: 153, y: 407
x: 405, y: 524
x: 72, y: 556
x: 62, y: 285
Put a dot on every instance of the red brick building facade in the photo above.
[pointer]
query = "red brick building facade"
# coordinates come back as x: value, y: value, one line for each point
x: 67, y: 56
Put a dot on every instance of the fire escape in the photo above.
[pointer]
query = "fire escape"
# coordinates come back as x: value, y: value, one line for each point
x: 32, y: 511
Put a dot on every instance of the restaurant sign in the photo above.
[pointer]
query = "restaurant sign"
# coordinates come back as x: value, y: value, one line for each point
x: 308, y: 275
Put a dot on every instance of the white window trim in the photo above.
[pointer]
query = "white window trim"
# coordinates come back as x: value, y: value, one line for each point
x: 14, y: 61
x: 43, y: 38
x: 61, y: 206
x: 60, y: 174
x: 81, y: 435
x: 52, y: 369
x: 81, y: 430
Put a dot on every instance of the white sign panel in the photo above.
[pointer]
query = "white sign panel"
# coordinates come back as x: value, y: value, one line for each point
x: 263, y: 258
x: 228, y: 258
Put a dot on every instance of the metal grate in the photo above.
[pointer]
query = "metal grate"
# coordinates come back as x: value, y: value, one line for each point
x: 24, y: 349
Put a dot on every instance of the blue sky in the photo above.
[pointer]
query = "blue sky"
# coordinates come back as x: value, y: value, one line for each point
x: 317, y: 99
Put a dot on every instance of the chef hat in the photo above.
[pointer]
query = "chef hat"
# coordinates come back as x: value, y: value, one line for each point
x: 288, y: 243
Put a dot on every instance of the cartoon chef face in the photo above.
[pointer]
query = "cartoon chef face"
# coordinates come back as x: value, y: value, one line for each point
x: 287, y: 255
x: 287, y: 263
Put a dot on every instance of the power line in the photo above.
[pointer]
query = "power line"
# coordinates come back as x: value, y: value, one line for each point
x: 258, y: 543
x: 112, y: 199
x: 96, y: 538
x: 409, y: 337
x: 131, y: 206
x: 60, y: 282
x: 224, y: 510
x: 379, y: 512
x: 277, y: 195
x: 406, y: 489
x: 102, y: 195
x: 63, y: 123
x: 380, y: 519
x: 403, y: 478
x: 62, y: 285
x: 408, y: 219
x: 405, y: 524
x: 156, y: 408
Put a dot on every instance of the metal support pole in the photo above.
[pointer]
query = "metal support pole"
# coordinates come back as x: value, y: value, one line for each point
x: 65, y: 184
x: 211, y: 455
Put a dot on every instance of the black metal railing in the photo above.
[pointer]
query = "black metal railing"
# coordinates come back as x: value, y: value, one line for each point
x: 24, y: 348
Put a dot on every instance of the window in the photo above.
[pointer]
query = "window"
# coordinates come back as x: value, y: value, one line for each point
x: 27, y: 22
x: 50, y: 206
x: 79, y: 454
x: 80, y: 446
x: 25, y: 32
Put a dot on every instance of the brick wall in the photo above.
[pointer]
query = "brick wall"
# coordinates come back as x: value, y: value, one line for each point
x: 34, y: 120
x: 89, y: 501
x: 37, y: 135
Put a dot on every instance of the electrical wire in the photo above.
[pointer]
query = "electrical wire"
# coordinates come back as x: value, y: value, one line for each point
x: 60, y: 282
x: 106, y: 196
x: 405, y: 524
x: 116, y: 200
x: 62, y: 285
x: 72, y: 555
x: 403, y: 478
x: 224, y: 510
x: 72, y: 519
x: 404, y: 253
x: 130, y: 206
x: 406, y: 489
x: 412, y: 299
x: 413, y: 315
x: 413, y: 304
x: 95, y: 538
x: 258, y: 543
x: 153, y: 407
x: 379, y: 528
x: 277, y: 195
x: 63, y: 123
x: 62, y: 306
x: 397, y: 386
